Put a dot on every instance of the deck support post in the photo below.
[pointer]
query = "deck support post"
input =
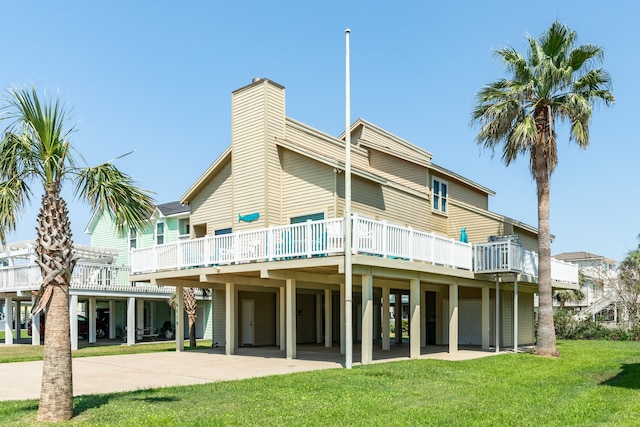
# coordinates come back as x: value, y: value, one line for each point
x: 229, y: 324
x: 328, y: 322
x: 367, y: 320
x: 131, y: 321
x: 73, y: 321
x: 414, y: 319
x: 515, y: 315
x: 453, y: 318
x: 179, y: 318
x: 112, y: 319
x: 35, y: 325
x: 397, y: 314
x: 342, y: 320
x: 8, y: 321
x: 486, y: 313
x: 386, y: 344
x: 291, y: 318
x: 91, y: 317
x: 497, y: 313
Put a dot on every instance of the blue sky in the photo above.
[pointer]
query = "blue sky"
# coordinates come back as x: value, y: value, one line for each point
x: 156, y: 77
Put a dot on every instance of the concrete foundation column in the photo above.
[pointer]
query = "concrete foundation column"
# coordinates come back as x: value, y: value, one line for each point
x: 179, y: 319
x: 18, y: 320
x: 367, y: 320
x: 140, y: 311
x: 35, y: 324
x: 397, y: 314
x: 328, y: 321
x: 319, y: 319
x: 414, y: 319
x: 282, y: 306
x: 386, y: 342
x: 91, y: 317
x: 342, y: 320
x: 486, y: 312
x: 497, y: 315
x: 453, y: 318
x: 73, y: 321
x: 131, y: 321
x: 112, y: 319
x: 515, y: 315
x: 291, y: 318
x: 230, y: 327
x: 8, y: 321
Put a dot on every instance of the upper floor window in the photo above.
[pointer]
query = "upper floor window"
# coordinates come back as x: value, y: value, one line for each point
x: 183, y: 226
x: 160, y: 233
x: 133, y: 239
x: 440, y: 195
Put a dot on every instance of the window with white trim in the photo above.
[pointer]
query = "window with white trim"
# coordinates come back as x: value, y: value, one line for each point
x: 133, y: 239
x: 160, y: 233
x: 440, y: 195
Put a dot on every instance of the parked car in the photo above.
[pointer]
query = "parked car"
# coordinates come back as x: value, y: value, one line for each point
x: 102, y: 327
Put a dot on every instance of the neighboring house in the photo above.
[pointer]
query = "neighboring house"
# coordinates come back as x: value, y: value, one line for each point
x: 169, y: 223
x: 597, y: 275
x: 267, y: 237
x: 99, y: 288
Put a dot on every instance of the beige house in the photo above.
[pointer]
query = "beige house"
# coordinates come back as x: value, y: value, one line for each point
x: 267, y: 236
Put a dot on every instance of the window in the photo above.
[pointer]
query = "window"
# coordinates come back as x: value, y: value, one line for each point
x: 222, y: 231
x: 183, y: 226
x: 133, y: 239
x: 440, y: 196
x: 160, y: 233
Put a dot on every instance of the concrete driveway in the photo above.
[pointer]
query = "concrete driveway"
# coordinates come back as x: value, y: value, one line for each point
x: 130, y: 372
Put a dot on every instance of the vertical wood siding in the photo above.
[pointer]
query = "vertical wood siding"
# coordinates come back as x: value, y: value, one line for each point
x: 264, y: 329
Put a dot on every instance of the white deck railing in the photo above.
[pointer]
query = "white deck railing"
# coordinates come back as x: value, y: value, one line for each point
x: 312, y: 238
x: 86, y: 276
x: 509, y: 256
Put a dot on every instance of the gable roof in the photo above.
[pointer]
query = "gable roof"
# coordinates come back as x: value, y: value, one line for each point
x: 172, y: 208
x: 583, y: 256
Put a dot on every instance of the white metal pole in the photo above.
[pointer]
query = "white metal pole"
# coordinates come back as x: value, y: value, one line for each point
x: 348, y: 279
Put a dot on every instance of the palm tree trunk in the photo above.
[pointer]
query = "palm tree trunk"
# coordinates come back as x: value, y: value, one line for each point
x: 546, y: 335
x: 190, y: 306
x: 56, y: 260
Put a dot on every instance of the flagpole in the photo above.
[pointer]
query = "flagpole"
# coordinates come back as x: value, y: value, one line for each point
x: 348, y: 278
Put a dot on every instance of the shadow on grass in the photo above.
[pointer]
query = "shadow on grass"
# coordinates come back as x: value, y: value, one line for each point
x: 94, y: 401
x: 629, y: 377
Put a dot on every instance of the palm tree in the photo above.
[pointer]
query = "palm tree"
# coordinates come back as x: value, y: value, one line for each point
x: 554, y: 82
x: 190, y: 308
x: 564, y: 296
x: 35, y: 149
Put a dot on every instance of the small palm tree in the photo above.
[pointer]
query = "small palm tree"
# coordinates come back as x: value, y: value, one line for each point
x: 35, y: 149
x: 190, y: 308
x: 555, y: 82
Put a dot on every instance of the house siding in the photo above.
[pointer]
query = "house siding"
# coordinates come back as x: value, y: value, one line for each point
x: 264, y: 307
x: 306, y: 184
x: 212, y: 206
x: 219, y: 317
x: 258, y: 118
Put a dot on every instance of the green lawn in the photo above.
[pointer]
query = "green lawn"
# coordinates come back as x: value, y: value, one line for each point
x: 594, y: 383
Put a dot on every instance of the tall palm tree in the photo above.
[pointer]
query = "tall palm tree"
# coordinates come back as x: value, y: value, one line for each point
x: 35, y: 149
x: 555, y: 82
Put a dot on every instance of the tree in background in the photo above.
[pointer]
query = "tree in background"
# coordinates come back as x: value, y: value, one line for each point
x: 35, y: 149
x: 555, y: 82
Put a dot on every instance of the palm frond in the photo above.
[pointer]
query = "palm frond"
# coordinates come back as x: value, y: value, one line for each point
x: 44, y: 125
x: 14, y: 196
x: 108, y: 189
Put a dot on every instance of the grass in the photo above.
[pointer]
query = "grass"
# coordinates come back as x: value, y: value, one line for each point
x: 593, y: 383
x: 25, y: 353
